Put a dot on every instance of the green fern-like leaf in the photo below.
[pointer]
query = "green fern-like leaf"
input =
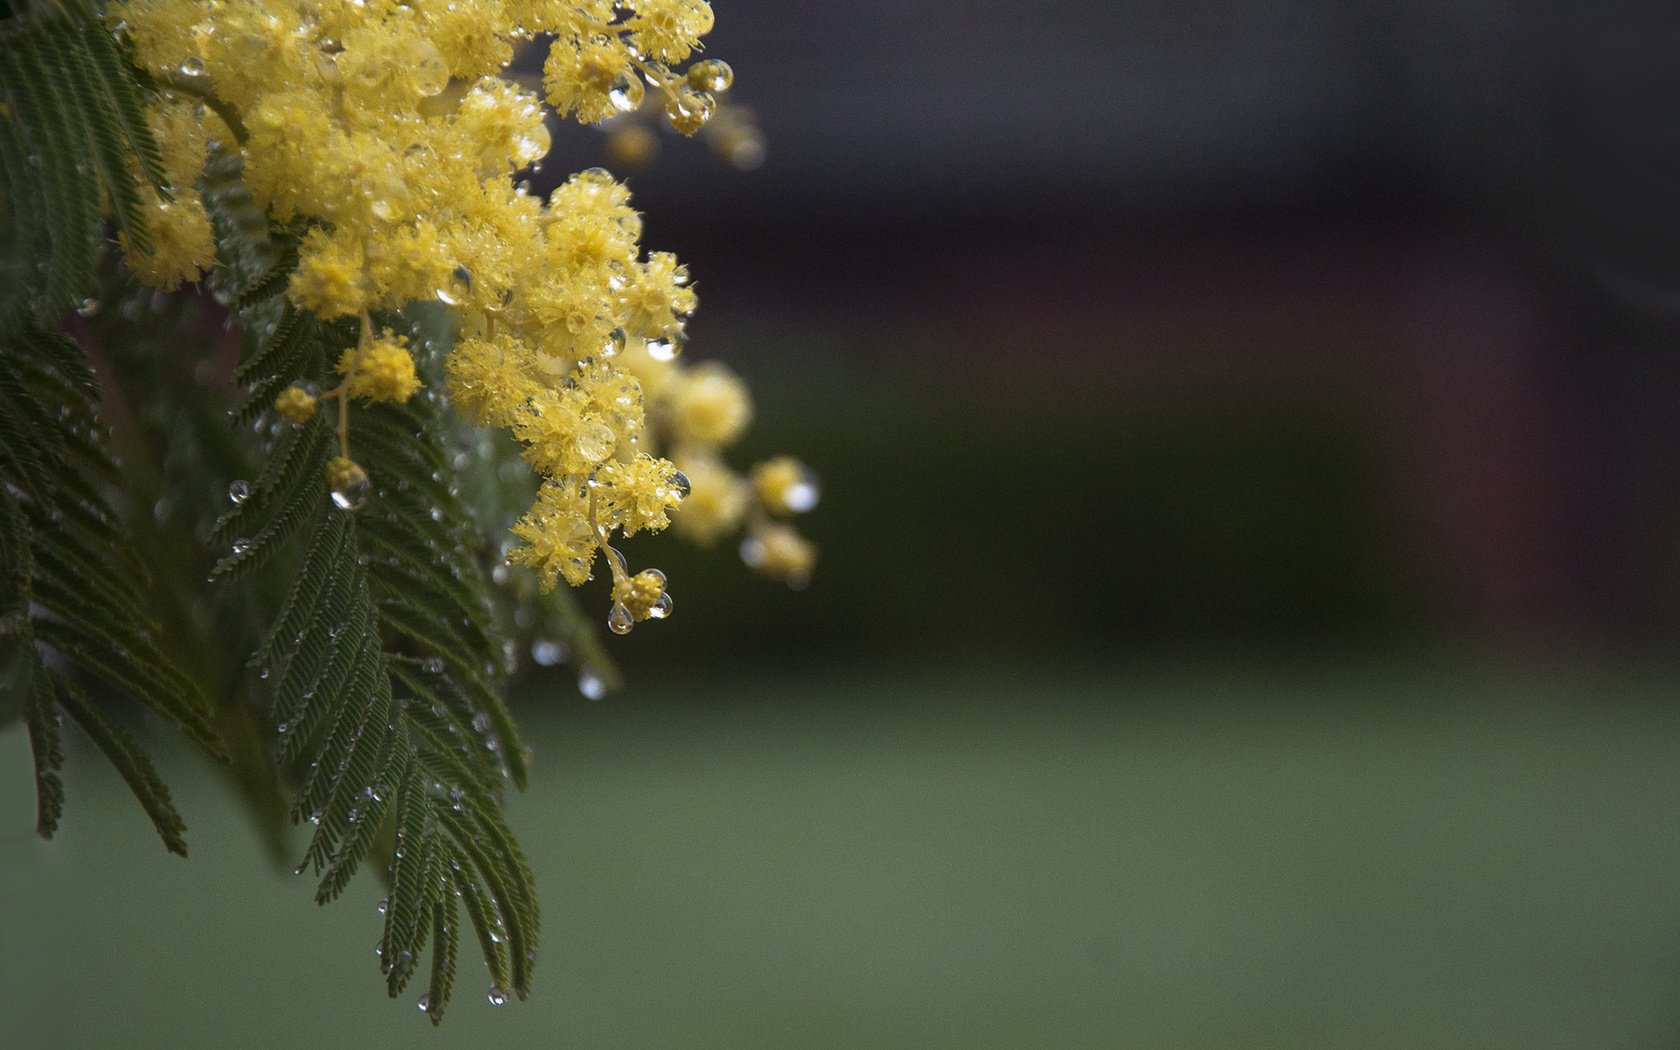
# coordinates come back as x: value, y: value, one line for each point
x: 73, y: 596
x: 72, y: 129
x: 383, y: 662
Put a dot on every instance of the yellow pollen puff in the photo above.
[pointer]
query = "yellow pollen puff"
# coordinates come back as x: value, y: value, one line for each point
x: 777, y: 552
x: 381, y: 371
x: 716, y: 501
x: 641, y: 593
x: 637, y: 494
x: 388, y: 132
x: 785, y: 486
x: 295, y: 404
x: 709, y: 405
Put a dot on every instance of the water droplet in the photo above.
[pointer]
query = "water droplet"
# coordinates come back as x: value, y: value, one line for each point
x: 803, y: 494
x: 667, y: 347
x: 88, y: 307
x: 615, y: 342
x: 430, y: 71
x: 425, y: 1003
x: 379, y: 949
x: 711, y: 75
x: 689, y: 110
x: 432, y: 665
x: 193, y: 66
x: 679, y: 481
x: 460, y: 283
x: 591, y: 684
x: 384, y: 905
x: 239, y: 491
x: 350, y: 487
x: 627, y: 91
x: 481, y: 722
x: 547, y: 653
x: 240, y: 546
x: 619, y: 620
x: 496, y: 996
x: 661, y: 607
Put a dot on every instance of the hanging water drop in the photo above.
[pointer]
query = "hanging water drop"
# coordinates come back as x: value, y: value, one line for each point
x: 88, y: 307
x: 627, y: 91
x: 239, y: 491
x: 496, y: 996
x: 803, y: 494
x: 667, y: 347
x: 711, y: 75
x: 455, y: 292
x: 689, y: 110
x: 425, y: 1003
x: 619, y: 620
x: 240, y: 546
x: 430, y: 71
x: 615, y: 342
x: 384, y: 905
x: 661, y: 607
x: 349, y: 483
x: 432, y: 665
x: 679, y: 481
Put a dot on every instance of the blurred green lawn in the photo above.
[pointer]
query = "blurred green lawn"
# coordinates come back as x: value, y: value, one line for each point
x: 1376, y: 856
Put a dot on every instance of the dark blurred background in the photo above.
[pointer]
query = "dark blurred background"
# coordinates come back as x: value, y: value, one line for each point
x: 1277, y: 321
x: 1251, y: 536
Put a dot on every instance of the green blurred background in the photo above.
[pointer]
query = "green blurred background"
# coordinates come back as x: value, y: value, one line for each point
x: 1251, y: 559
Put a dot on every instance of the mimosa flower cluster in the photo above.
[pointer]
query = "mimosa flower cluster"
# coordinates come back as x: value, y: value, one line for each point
x: 388, y: 134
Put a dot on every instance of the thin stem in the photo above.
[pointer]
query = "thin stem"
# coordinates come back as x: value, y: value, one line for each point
x: 229, y: 115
